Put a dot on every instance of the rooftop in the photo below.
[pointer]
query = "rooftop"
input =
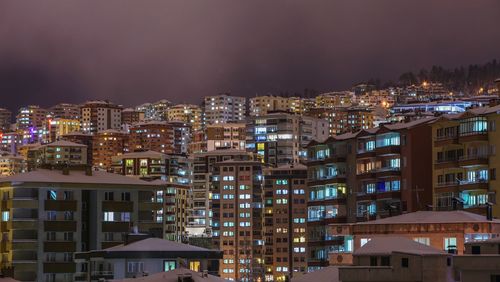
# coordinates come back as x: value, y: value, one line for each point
x: 388, y: 245
x: 145, y: 154
x: 63, y: 143
x: 155, y: 244
x: 173, y: 275
x: 327, y: 274
x: 74, y: 176
x: 431, y: 217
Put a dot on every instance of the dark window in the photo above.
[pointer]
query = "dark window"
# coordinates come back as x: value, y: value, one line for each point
x: 373, y: 261
x: 385, y: 261
x: 448, y: 261
x: 495, y: 278
x: 404, y: 262
x: 476, y: 250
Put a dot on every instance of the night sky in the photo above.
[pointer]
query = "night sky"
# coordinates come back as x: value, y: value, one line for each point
x: 132, y: 52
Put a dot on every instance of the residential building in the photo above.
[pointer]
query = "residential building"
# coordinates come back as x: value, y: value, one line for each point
x: 10, y: 142
x: 56, y: 213
x: 223, y: 108
x: 138, y: 258
x: 464, y: 160
x: 151, y: 136
x: 285, y: 222
x: 100, y: 115
x: 481, y: 261
x: 81, y: 138
x: 334, y: 99
x: 57, y: 153
x: 107, y: 144
x: 263, y: 105
x: 181, y: 136
x: 281, y: 138
x: 190, y: 114
x: 31, y: 117
x: 175, y: 275
x: 200, y: 220
x: 344, y: 119
x: 155, y: 111
x: 55, y: 128
x: 5, y: 120
x: 237, y: 207
x: 361, y: 176
x: 131, y: 116
x: 198, y: 142
x: 225, y: 136
x: 65, y: 111
x: 11, y: 164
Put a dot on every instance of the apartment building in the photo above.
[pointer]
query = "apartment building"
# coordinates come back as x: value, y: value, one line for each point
x: 31, y: 117
x: 5, y: 120
x: 48, y: 215
x: 223, y: 108
x: 181, y: 136
x: 100, y: 115
x: 334, y: 99
x: 190, y: 114
x: 285, y: 222
x: 131, y: 116
x: 10, y: 142
x: 263, y: 105
x: 281, y: 138
x: 11, y: 164
x: 57, y: 153
x: 200, y: 220
x: 107, y: 144
x: 225, y: 136
x: 65, y: 111
x: 344, y: 119
x: 464, y: 160
x: 362, y: 176
x: 55, y: 128
x: 156, y: 110
x: 237, y: 207
x: 151, y: 136
x: 84, y: 139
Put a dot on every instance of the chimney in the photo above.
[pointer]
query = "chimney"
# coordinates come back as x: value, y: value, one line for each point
x: 88, y: 170
x: 65, y: 171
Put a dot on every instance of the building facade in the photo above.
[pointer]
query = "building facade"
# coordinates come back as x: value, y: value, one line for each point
x: 100, y: 115
x: 223, y: 108
x: 151, y: 136
x: 107, y: 144
x: 190, y: 114
x: 226, y: 136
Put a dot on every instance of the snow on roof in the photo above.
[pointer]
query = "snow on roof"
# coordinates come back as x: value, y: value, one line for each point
x: 145, y: 154
x: 403, y: 125
x: 64, y: 143
x: 297, y: 166
x: 495, y: 240
x: 74, y: 176
x: 173, y: 276
x: 155, y: 245
x: 8, y: 279
x: 431, y: 217
x: 388, y: 245
x: 326, y: 274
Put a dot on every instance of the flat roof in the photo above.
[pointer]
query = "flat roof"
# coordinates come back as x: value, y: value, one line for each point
x: 330, y: 274
x: 388, y: 245
x: 430, y: 217
x: 74, y: 176
x: 173, y: 276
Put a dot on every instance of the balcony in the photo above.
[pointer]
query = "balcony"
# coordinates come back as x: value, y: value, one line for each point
x: 445, y: 140
x: 60, y: 225
x: 471, y: 160
x: 115, y: 226
x: 59, y: 267
x: 59, y: 246
x: 476, y: 136
x: 388, y: 150
x: 60, y: 205
x: 445, y: 163
x: 366, y: 174
x: 388, y: 171
x: 117, y: 206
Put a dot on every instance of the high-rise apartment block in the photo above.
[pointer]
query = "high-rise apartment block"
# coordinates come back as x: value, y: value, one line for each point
x: 237, y: 219
x: 285, y: 222
x: 344, y: 119
x: 151, y: 136
x: 190, y: 114
x: 107, y: 144
x: 366, y: 175
x: 51, y: 214
x: 100, y: 115
x: 281, y: 138
x: 223, y: 108
x: 55, y: 128
x: 11, y: 164
x: 155, y: 111
x: 31, y: 118
x: 464, y: 160
x: 5, y: 120
x: 226, y: 136
x: 65, y: 111
x: 131, y: 116
x: 262, y: 105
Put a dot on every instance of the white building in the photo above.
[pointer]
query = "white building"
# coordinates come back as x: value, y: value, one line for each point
x: 223, y: 108
x: 100, y: 115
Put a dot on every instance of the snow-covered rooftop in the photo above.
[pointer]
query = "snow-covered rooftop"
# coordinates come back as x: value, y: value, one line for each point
x: 326, y: 274
x: 173, y: 276
x: 64, y: 143
x: 388, y: 245
x: 155, y: 245
x: 431, y: 217
x: 74, y: 176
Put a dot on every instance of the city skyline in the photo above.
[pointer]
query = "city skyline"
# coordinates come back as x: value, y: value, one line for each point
x: 133, y: 52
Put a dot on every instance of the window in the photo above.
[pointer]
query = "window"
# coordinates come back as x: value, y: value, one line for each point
x: 5, y: 216
x: 194, y: 265
x: 126, y: 196
x: 385, y: 261
x: 135, y: 267
x: 422, y: 240
x: 169, y: 265
x: 125, y: 217
x: 450, y: 243
x: 108, y: 196
x: 476, y: 250
x: 363, y: 241
x: 373, y: 261
x: 109, y: 216
x: 404, y: 262
x: 51, y: 195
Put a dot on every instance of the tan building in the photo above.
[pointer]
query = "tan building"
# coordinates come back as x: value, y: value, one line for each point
x: 48, y: 215
x: 187, y: 113
x: 65, y: 111
x: 107, y: 144
x: 285, y: 222
x: 100, y: 115
x: 5, y: 120
x: 131, y: 116
x: 81, y: 138
x: 344, y: 119
x: 151, y: 136
x: 58, y: 153
x: 223, y: 108
x: 334, y: 99
x: 11, y: 164
x: 31, y: 117
x: 262, y: 105
x: 226, y: 136
x: 55, y: 128
x: 465, y: 160
x: 237, y: 219
x: 481, y: 261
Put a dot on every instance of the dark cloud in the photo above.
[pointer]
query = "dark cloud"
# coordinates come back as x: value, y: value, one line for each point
x: 137, y: 51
